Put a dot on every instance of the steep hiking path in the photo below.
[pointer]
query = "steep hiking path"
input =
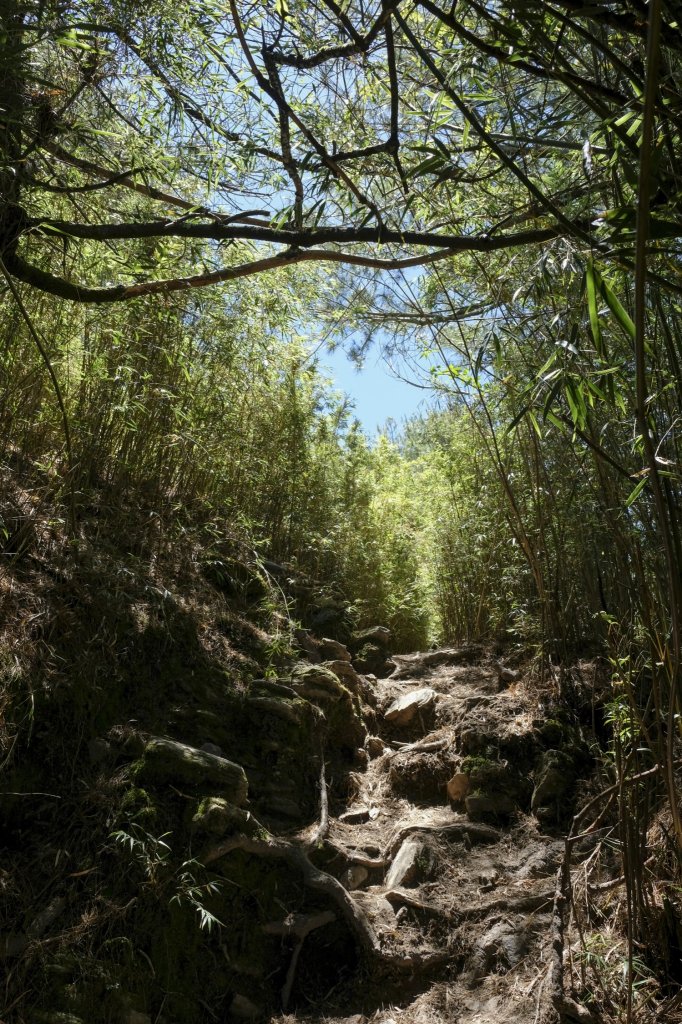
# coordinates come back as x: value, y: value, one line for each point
x: 325, y: 845
x: 429, y: 881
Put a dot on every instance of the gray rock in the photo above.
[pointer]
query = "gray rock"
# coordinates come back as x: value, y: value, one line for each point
x: 484, y: 806
x: 375, y: 746
x: 333, y: 650
x: 315, y: 682
x: 505, y: 676
x: 502, y: 947
x: 284, y: 709
x: 541, y: 863
x: 403, y: 710
x: 212, y: 748
x: 380, y: 635
x: 167, y: 761
x: 307, y: 644
x: 373, y: 658
x: 346, y: 673
x: 218, y: 817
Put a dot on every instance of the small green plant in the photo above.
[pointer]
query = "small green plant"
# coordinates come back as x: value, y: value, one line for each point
x: 603, y: 959
x: 152, y: 854
x: 192, y: 892
x: 149, y: 852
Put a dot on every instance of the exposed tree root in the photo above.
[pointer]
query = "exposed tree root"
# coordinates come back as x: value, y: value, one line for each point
x: 353, y: 857
x: 299, y: 925
x: 467, y: 831
x: 320, y: 881
x: 421, y: 748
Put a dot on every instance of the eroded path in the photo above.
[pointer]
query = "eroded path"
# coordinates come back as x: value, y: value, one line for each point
x: 439, y: 861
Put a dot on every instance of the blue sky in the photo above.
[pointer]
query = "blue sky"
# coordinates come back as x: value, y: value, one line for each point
x: 377, y: 393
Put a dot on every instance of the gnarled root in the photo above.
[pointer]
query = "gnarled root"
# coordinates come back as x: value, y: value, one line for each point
x: 320, y: 881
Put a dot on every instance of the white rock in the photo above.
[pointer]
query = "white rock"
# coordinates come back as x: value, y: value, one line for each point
x: 404, y: 867
x: 406, y: 707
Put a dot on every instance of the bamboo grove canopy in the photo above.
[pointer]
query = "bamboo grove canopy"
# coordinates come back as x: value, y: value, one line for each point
x: 204, y: 141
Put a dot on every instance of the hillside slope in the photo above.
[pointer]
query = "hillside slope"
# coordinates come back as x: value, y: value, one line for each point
x: 212, y: 814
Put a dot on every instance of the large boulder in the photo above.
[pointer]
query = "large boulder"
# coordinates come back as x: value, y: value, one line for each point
x: 379, y: 635
x: 346, y: 673
x: 218, y: 817
x: 333, y: 650
x: 316, y: 683
x: 370, y: 651
x: 167, y: 761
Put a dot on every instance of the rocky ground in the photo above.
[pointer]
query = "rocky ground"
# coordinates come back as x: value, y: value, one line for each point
x: 427, y: 891
x: 359, y: 839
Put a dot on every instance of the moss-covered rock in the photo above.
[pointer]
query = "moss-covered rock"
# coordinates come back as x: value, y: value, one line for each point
x: 496, y: 790
x: 218, y: 817
x: 316, y: 683
x: 169, y: 761
x: 137, y: 805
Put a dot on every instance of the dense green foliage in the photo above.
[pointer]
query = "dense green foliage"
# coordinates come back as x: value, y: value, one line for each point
x: 492, y: 186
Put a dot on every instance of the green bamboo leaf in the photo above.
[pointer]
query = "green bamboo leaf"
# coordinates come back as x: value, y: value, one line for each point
x: 517, y: 419
x: 591, y: 285
x: 536, y: 426
x: 634, y: 494
x: 616, y: 307
x: 554, y: 420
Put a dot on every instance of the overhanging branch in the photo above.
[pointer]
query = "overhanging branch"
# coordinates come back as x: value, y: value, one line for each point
x: 230, y: 230
x: 64, y: 289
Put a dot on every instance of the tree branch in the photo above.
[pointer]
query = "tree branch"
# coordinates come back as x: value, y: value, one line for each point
x: 46, y: 282
x: 227, y: 229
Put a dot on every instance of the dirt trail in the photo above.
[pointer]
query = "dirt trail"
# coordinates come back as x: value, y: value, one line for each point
x: 457, y: 893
